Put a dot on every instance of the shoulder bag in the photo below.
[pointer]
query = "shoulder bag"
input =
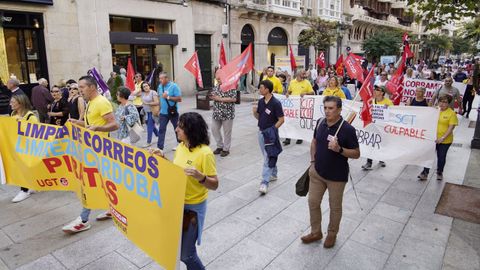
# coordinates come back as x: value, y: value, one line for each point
x: 135, y: 131
x: 155, y: 108
x: 303, y: 183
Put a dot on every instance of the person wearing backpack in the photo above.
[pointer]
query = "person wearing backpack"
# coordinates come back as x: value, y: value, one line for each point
x: 22, y: 110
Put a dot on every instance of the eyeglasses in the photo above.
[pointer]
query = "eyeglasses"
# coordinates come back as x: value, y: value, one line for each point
x: 56, y: 91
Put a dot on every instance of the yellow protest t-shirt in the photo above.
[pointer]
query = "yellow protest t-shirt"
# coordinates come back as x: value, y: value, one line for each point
x: 300, y: 87
x: 137, y: 101
x: 29, y: 116
x: 334, y: 92
x: 447, y: 118
x: 96, y: 109
x: 385, y: 101
x: 202, y: 158
x: 277, y: 84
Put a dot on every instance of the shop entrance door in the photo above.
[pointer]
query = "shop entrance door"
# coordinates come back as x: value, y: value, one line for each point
x: 204, y: 51
x: 143, y: 59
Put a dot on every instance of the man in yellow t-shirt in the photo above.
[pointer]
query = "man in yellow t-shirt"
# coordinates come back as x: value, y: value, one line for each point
x: 299, y: 86
x: 277, y: 84
x: 99, y: 118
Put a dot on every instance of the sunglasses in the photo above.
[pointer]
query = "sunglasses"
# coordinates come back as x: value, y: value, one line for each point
x: 378, y: 89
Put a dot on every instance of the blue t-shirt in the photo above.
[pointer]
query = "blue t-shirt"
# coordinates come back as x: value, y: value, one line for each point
x: 268, y: 113
x: 172, y: 90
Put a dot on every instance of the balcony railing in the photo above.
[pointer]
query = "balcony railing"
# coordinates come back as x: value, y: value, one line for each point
x: 284, y: 7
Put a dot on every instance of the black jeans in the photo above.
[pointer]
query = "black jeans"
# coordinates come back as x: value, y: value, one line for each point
x: 442, y: 150
x: 467, y: 102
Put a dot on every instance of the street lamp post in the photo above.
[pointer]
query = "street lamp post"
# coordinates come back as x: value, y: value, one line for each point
x: 475, y: 144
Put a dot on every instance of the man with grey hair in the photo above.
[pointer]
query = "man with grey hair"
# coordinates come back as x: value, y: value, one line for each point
x: 13, y: 85
x: 41, y: 97
x: 170, y: 94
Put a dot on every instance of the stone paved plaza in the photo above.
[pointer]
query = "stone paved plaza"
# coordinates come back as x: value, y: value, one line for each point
x: 396, y: 229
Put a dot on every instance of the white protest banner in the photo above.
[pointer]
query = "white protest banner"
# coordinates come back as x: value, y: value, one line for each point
x: 283, y: 63
x: 431, y: 86
x: 404, y: 134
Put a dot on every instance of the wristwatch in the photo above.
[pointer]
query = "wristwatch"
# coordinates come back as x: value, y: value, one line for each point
x: 341, y: 150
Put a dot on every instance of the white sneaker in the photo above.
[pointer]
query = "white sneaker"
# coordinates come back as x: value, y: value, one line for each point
x: 104, y: 216
x: 76, y: 226
x: 22, y: 195
x: 263, y: 189
x: 146, y: 145
x: 273, y: 178
x: 174, y: 148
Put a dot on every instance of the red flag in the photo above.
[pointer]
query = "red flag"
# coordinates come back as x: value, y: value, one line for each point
x: 339, y: 66
x: 354, y: 69
x: 395, y: 85
x: 321, y: 60
x: 222, y: 60
x: 293, y: 63
x: 230, y: 74
x: 366, y: 93
x: 129, y: 82
x: 407, y: 52
x: 193, y: 66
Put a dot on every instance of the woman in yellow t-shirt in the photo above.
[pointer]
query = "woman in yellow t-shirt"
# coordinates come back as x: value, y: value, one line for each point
x: 333, y: 89
x: 195, y: 156
x: 446, y: 123
x: 21, y: 110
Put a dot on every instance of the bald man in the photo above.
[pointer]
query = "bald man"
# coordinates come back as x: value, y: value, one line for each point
x: 41, y: 97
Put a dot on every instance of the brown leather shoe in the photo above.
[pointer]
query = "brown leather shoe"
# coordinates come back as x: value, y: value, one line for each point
x: 330, y: 241
x: 310, y: 238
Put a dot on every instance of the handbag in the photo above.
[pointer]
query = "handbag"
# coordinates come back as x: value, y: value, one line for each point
x: 303, y: 183
x: 134, y: 131
x: 172, y: 110
x: 155, y: 108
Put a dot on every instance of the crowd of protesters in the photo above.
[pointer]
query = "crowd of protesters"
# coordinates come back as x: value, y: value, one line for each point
x: 333, y: 143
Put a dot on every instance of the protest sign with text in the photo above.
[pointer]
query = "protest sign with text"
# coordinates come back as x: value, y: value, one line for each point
x: 144, y: 193
x: 403, y: 134
x: 431, y: 86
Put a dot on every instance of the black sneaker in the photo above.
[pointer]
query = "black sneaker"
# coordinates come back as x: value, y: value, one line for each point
x: 382, y: 164
x: 299, y: 141
x: 218, y: 151
x: 286, y: 142
x: 367, y: 166
x: 224, y: 153
x: 439, y: 176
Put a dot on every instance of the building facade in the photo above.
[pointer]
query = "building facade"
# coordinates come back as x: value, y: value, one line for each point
x: 64, y: 39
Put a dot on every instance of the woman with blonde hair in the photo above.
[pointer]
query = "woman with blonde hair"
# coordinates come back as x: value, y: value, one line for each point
x: 22, y: 110
x: 333, y: 88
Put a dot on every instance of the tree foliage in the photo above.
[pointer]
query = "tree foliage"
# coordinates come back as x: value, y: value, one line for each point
x: 437, y: 44
x: 320, y: 34
x: 382, y: 43
x: 461, y: 45
x: 471, y: 29
x: 441, y: 12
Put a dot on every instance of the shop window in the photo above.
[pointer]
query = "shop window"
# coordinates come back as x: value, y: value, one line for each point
x: 23, y: 55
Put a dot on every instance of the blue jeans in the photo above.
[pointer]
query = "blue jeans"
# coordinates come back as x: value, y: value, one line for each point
x: 85, y: 214
x: 151, y: 127
x: 164, y: 119
x: 267, y: 172
x: 188, y: 253
x: 442, y: 150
